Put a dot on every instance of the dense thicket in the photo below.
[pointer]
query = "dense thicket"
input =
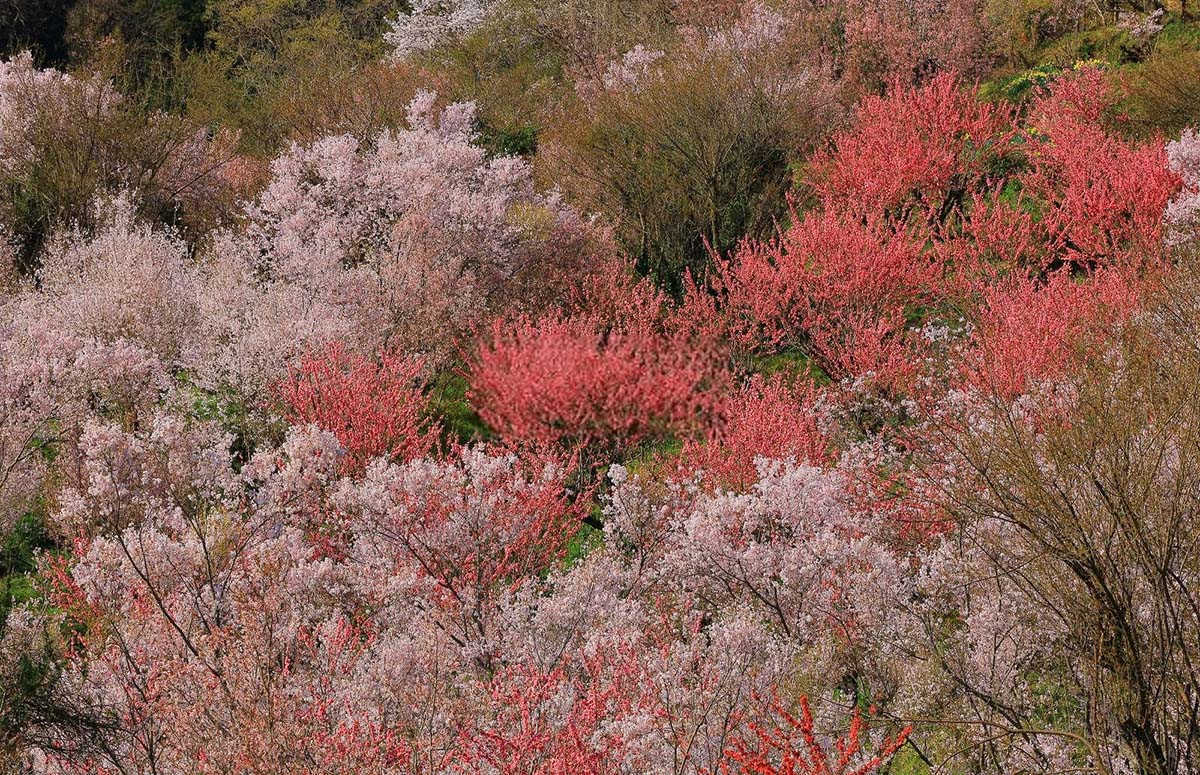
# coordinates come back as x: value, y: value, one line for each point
x: 531, y: 387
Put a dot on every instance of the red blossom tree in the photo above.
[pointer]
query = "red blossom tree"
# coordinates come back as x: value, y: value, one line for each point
x: 1029, y: 330
x: 934, y: 200
x: 599, y: 381
x: 838, y: 290
x: 555, y: 722
x: 766, y: 418
x: 911, y: 148
x: 373, y: 406
x: 790, y: 746
x: 1101, y: 198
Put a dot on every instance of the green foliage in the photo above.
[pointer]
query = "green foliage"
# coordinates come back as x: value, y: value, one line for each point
x: 690, y: 162
x: 248, y: 425
x: 18, y: 560
x: 27, y: 537
x: 448, y: 405
x: 520, y: 67
x: 1015, y: 88
x: 1161, y: 76
x: 259, y: 53
x: 27, y: 695
x: 151, y: 35
x: 908, y: 761
x: 32, y: 212
x: 1021, y: 29
x: 512, y: 75
x: 1178, y: 35
x: 518, y: 141
x: 1109, y: 44
x: 587, y: 538
x: 1164, y: 91
x: 648, y: 456
x: 794, y: 365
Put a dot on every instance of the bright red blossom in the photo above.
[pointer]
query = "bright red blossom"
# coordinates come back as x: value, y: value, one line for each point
x: 766, y: 419
x: 910, y: 147
x: 836, y: 289
x: 595, y: 381
x: 373, y: 406
x: 791, y: 747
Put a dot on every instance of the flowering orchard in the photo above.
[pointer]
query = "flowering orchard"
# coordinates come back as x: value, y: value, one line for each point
x: 409, y: 464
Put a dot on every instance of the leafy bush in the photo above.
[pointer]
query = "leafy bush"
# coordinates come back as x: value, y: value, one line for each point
x: 66, y: 140
x: 690, y: 151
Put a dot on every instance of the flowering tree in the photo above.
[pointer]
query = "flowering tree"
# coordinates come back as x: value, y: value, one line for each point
x: 794, y: 549
x: 765, y: 419
x: 936, y: 206
x: 980, y: 529
x: 123, y: 280
x: 65, y: 140
x: 791, y: 747
x: 430, y: 23
x: 26, y: 423
x: 405, y: 243
x: 1103, y: 198
x: 911, y: 150
x: 1183, y: 211
x: 183, y: 636
x: 1031, y: 331
x: 906, y: 42
x: 374, y: 409
x: 528, y: 731
x: 601, y: 381
x: 460, y: 533
x: 99, y: 333
x: 837, y: 290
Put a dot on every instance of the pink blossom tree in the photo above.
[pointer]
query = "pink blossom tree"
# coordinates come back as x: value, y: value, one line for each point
x: 404, y: 243
x: 1183, y: 212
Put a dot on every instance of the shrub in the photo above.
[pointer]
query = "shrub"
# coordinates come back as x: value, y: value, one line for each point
x: 908, y: 42
x: 912, y: 150
x: 1165, y: 91
x: 691, y: 152
x: 1030, y: 331
x: 835, y: 289
x: 66, y: 140
x: 260, y: 56
x: 600, y: 382
x: 373, y: 407
x: 1100, y: 199
x: 764, y: 419
x: 932, y: 206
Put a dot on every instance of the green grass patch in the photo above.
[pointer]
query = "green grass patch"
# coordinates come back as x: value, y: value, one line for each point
x: 908, y: 762
x: 19, y: 550
x: 449, y: 406
x: 792, y: 365
x: 586, y: 539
